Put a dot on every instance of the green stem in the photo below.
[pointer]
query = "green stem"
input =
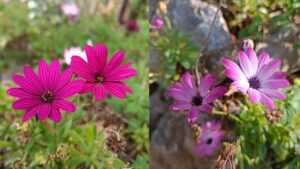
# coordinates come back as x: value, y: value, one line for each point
x: 231, y: 116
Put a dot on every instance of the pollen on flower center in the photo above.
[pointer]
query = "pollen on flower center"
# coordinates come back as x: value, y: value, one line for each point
x: 197, y: 100
x: 99, y: 79
x: 209, y: 141
x: 47, y: 97
x: 254, y: 82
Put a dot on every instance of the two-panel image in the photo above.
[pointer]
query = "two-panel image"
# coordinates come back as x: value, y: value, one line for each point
x: 149, y: 84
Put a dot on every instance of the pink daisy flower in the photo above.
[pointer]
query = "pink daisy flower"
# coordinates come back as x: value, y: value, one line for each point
x: 210, y: 139
x: 195, y: 99
x: 71, y: 10
x: 102, y: 77
x: 257, y: 77
x: 73, y: 51
x: 44, y: 94
x: 157, y: 22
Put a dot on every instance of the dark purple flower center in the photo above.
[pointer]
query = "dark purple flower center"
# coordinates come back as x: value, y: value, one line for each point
x: 197, y: 100
x: 99, y: 78
x: 254, y: 82
x: 47, y: 97
x: 209, y: 141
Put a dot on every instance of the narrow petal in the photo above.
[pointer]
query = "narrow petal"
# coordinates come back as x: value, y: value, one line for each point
x: 64, y: 105
x: 44, y: 111
x: 245, y: 64
x: 121, y: 75
x: 25, y: 84
x: 268, y: 69
x: 266, y: 100
x: 206, y: 83
x: 278, y: 75
x: 30, y: 113
x: 254, y: 95
x: 178, y: 95
x: 188, y: 84
x: 215, y: 94
x: 64, y: 79
x: 233, y: 71
x: 263, y: 59
x: 33, y: 78
x: 93, y: 60
x: 193, y: 115
x: 87, y: 87
x: 20, y: 93
x: 253, y: 58
x: 101, y: 53
x: 274, y: 93
x: 70, y: 89
x: 180, y: 106
x: 116, y: 60
x: 82, y: 69
x: 99, y: 92
x: 54, y: 73
x: 241, y: 86
x: 25, y: 104
x: 205, y: 108
x: 44, y: 74
x: 55, y: 115
x: 114, y: 89
x: 275, y: 83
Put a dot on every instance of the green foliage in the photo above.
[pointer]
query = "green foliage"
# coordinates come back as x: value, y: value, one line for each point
x: 266, y: 145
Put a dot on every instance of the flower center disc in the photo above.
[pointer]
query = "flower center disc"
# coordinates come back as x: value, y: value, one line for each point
x: 209, y: 141
x: 254, y: 82
x: 99, y: 79
x: 47, y: 97
x: 197, y: 100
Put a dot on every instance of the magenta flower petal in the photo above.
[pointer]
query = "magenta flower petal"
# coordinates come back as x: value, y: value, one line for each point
x: 43, y: 73
x: 278, y: 75
x: 233, y: 71
x: 87, y: 87
x: 253, y: 58
x: 64, y: 105
x: 93, y: 59
x: 114, y: 89
x: 205, y: 108
x: 274, y: 93
x: 178, y: 94
x: 254, y: 95
x: 215, y: 94
x: 101, y: 54
x: 116, y: 60
x: 54, y: 74
x: 241, y: 86
x: 25, y: 84
x: 268, y: 69
x: 188, y: 82
x: 70, y: 89
x: 263, y: 59
x: 121, y: 75
x: 44, y: 111
x: 99, y: 91
x: 33, y: 78
x: 245, y: 64
x: 206, y: 83
x: 30, y: 113
x: 193, y: 115
x: 20, y: 93
x: 266, y: 100
x: 180, y: 106
x: 55, y: 115
x: 64, y: 79
x: 275, y: 83
x: 82, y: 69
x: 25, y: 104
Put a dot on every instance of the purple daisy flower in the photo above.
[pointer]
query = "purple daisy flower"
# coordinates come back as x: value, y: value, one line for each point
x: 210, y: 138
x: 257, y: 77
x: 196, y: 99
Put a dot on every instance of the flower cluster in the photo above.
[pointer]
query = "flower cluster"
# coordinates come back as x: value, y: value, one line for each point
x: 44, y: 94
